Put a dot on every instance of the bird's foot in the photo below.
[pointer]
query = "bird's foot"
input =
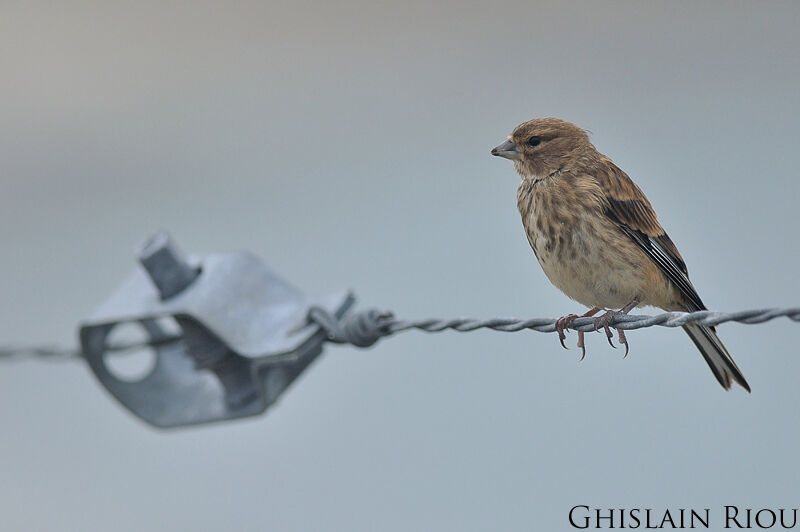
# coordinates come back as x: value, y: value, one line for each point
x: 562, y: 323
x: 565, y: 321
x: 605, y: 320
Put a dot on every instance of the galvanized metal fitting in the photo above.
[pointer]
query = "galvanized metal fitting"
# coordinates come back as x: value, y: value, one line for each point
x: 228, y: 335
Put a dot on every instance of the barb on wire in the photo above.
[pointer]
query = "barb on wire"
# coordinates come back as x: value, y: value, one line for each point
x: 367, y: 327
x: 364, y: 328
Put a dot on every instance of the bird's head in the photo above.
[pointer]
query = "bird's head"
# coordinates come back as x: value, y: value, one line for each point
x: 543, y: 146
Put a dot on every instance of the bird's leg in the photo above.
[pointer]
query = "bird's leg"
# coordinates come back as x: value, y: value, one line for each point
x: 565, y: 321
x: 606, y: 318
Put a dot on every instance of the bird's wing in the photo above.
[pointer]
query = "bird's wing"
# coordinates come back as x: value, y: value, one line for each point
x: 631, y: 211
x: 628, y: 207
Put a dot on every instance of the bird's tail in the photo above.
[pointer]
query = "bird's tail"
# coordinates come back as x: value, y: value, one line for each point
x: 717, y: 357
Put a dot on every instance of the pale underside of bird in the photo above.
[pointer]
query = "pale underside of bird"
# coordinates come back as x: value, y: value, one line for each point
x: 597, y: 237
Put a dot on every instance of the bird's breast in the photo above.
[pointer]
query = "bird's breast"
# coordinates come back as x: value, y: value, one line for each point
x: 582, y: 252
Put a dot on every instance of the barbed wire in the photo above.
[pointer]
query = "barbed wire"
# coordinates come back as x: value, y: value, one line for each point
x: 364, y: 328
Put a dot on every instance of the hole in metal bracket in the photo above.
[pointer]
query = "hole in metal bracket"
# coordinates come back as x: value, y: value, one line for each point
x: 130, y: 354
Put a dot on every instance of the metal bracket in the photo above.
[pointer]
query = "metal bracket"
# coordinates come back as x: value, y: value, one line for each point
x: 242, y: 335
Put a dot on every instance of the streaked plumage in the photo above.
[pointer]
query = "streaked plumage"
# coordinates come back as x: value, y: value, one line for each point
x: 596, y: 235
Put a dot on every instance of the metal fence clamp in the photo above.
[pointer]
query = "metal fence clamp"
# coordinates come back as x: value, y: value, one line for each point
x: 242, y: 335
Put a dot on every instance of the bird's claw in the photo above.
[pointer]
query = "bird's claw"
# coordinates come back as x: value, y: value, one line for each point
x: 604, y: 321
x: 562, y: 323
x: 565, y: 321
x: 581, y: 345
x: 623, y: 341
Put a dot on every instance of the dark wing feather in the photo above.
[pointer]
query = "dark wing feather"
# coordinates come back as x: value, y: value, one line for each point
x: 632, y: 212
x: 628, y: 207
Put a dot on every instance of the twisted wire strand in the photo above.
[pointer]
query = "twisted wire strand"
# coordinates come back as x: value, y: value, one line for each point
x: 50, y: 354
x: 364, y: 328
x: 367, y: 327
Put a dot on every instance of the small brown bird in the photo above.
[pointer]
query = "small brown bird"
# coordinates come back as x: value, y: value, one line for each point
x: 597, y: 237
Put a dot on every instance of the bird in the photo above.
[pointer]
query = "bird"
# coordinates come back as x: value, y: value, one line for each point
x: 598, y: 238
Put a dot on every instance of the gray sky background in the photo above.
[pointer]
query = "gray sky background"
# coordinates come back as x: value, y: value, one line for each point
x: 347, y: 144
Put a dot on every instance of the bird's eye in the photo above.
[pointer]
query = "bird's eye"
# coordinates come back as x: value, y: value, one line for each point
x: 534, y: 141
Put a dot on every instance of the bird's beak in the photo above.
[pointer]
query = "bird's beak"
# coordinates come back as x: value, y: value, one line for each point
x: 508, y: 150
